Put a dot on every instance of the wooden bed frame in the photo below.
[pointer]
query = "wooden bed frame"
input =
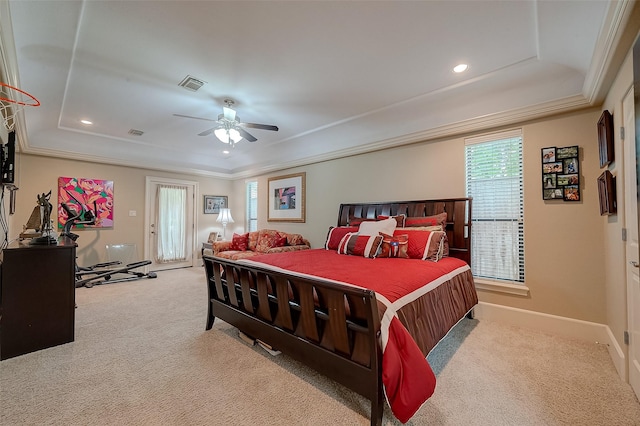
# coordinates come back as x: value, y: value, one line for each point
x: 330, y: 327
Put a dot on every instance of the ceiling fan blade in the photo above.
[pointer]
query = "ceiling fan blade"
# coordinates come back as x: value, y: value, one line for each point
x: 197, y: 118
x: 260, y: 126
x: 229, y: 114
x: 207, y: 132
x: 248, y: 136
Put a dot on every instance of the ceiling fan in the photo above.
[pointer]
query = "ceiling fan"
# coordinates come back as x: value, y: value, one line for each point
x: 229, y: 128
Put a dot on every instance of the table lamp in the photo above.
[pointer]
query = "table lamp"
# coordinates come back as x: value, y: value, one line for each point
x: 224, y: 217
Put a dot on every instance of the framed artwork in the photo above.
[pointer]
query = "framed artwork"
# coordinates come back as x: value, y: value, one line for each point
x: 605, y: 138
x: 561, y: 173
x: 607, y: 193
x: 286, y: 198
x: 94, y: 194
x: 213, y: 203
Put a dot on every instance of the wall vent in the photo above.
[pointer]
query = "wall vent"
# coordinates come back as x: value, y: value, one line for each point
x: 191, y: 83
x: 135, y: 132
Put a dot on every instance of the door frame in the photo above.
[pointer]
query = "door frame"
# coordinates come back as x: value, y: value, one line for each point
x: 632, y: 253
x: 150, y: 195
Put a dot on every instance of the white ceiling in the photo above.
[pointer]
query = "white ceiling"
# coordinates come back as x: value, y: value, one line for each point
x: 337, y: 78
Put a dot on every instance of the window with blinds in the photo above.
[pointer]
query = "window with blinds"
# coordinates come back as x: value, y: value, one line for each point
x: 252, y: 206
x: 494, y: 180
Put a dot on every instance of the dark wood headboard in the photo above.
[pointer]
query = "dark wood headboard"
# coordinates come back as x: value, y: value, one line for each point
x: 458, y: 218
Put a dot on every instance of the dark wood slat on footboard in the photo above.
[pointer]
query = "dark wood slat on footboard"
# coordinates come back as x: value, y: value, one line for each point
x: 331, y: 328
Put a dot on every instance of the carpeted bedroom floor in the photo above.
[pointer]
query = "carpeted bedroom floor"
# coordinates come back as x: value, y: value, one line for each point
x: 141, y: 356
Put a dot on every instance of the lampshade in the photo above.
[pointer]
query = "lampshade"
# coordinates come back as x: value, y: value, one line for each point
x: 227, y: 136
x: 225, y: 216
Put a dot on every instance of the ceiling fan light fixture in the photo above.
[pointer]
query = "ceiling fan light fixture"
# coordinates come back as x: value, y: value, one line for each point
x: 228, y: 136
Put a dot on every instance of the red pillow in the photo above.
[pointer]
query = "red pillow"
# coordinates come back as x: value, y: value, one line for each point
x: 239, y: 242
x: 335, y: 235
x: 360, y: 245
x: 425, y: 245
x: 439, y: 219
x: 281, y: 240
x: 355, y: 221
x: 399, y: 218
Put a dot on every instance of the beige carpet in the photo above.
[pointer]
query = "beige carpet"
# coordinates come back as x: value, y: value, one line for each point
x: 141, y: 356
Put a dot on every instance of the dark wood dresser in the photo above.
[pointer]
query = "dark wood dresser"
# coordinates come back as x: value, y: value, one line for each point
x: 37, y: 297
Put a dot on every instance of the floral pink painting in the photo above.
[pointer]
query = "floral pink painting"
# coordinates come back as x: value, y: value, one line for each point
x: 88, y: 194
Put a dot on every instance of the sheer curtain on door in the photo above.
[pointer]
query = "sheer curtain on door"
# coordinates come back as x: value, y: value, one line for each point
x: 171, y: 220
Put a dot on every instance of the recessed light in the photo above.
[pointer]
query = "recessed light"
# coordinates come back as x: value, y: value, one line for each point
x: 87, y: 122
x: 225, y: 152
x: 460, y: 68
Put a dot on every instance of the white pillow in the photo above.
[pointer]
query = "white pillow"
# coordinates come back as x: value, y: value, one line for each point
x: 373, y: 228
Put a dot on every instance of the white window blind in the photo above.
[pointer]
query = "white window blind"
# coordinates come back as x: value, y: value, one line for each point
x: 252, y: 206
x: 494, y: 180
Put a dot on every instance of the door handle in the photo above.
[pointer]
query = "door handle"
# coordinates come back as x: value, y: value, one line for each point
x: 634, y: 264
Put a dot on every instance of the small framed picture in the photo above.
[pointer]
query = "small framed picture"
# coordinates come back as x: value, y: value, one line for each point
x: 549, y: 181
x: 567, y: 152
x: 552, y: 194
x: 549, y: 155
x: 571, y: 193
x: 213, y: 203
x: 555, y: 167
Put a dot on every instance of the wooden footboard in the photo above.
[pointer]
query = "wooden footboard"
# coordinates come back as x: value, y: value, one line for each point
x: 331, y: 328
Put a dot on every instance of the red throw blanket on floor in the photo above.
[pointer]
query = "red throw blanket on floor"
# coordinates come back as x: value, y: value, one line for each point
x: 407, y: 377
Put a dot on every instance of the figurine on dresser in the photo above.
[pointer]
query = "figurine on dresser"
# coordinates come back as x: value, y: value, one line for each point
x: 47, y: 234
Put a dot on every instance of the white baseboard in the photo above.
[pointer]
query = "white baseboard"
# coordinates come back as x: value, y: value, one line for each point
x: 557, y: 325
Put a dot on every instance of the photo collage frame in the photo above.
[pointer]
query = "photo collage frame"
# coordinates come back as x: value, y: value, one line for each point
x: 561, y: 173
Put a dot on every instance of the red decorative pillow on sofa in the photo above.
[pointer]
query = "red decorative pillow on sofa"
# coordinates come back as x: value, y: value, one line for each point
x: 281, y: 241
x: 239, y: 242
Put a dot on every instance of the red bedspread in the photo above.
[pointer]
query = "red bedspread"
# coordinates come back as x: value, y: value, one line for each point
x: 407, y: 377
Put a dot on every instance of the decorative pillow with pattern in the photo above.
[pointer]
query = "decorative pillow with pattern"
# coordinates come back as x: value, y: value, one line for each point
x: 394, y: 246
x: 268, y: 238
x: 295, y: 240
x: 239, y: 242
x: 360, y: 245
x: 253, y: 240
x: 335, y: 234
x: 399, y: 219
x: 439, y: 219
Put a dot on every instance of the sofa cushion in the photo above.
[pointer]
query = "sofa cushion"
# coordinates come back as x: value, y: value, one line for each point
x: 253, y: 240
x: 236, y: 255
x: 295, y: 240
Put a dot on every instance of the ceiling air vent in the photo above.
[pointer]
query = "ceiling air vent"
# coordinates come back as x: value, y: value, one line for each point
x: 191, y: 83
x: 135, y: 132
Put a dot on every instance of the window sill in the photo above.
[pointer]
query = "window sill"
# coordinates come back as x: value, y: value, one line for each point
x: 501, y: 287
